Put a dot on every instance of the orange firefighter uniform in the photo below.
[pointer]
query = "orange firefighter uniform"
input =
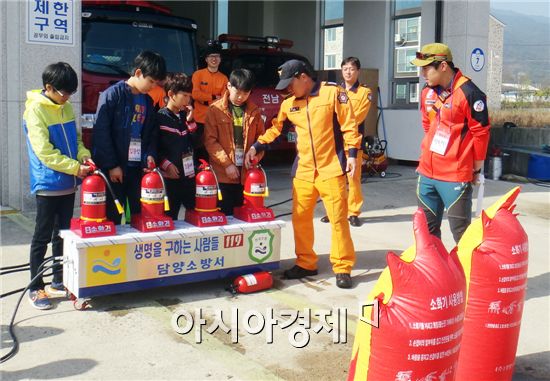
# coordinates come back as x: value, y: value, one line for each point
x: 360, y: 96
x: 325, y: 128
x: 207, y: 87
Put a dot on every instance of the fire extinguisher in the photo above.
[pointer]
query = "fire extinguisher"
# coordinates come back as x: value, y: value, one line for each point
x: 154, y: 200
x: 207, y: 191
x: 255, y: 186
x: 93, y: 196
x: 248, y: 283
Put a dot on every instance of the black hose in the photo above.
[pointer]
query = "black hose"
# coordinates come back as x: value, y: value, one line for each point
x: 14, y: 271
x: 15, y: 346
x: 39, y: 269
x: 14, y: 267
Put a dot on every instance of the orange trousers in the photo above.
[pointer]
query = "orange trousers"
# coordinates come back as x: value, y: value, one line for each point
x: 334, y: 196
x: 355, y: 194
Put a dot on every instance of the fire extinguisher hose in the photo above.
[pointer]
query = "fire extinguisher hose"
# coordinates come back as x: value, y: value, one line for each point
x: 166, y: 203
x: 117, y: 203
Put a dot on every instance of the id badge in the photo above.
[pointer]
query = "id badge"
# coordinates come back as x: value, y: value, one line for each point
x: 440, y: 141
x: 188, y: 166
x: 134, y: 152
x: 239, y: 156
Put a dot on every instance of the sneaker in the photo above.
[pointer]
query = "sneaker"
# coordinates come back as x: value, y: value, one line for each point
x: 325, y: 219
x: 55, y: 289
x: 39, y: 300
x: 298, y: 272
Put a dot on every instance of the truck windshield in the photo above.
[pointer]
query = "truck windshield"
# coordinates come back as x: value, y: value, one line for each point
x: 110, y: 48
x: 263, y: 66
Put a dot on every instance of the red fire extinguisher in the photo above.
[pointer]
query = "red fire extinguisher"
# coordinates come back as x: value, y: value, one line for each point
x: 248, y: 283
x: 154, y: 200
x: 93, y: 219
x: 93, y: 196
x: 255, y: 186
x: 207, y: 190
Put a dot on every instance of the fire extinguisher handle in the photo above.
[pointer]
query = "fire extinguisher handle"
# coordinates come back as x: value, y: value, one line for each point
x: 204, y: 164
x: 92, y: 166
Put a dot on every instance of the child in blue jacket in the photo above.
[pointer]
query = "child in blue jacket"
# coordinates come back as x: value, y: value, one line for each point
x: 124, y: 136
x: 56, y: 154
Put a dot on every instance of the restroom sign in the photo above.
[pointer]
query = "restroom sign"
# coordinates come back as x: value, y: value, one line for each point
x: 50, y: 22
x: 477, y: 59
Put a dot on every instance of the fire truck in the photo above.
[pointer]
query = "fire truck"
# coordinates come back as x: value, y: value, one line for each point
x: 263, y: 56
x: 115, y: 32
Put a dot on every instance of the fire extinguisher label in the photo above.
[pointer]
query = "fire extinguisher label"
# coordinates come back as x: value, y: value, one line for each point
x: 207, y: 190
x: 93, y: 198
x: 257, y: 188
x: 250, y: 280
x: 152, y: 194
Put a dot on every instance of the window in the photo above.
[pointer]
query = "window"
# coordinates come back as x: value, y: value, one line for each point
x: 404, y: 58
x: 406, y: 30
x: 330, y: 61
x: 332, y: 28
x: 331, y: 34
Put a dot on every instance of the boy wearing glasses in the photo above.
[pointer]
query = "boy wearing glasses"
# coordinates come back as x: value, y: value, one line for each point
x: 209, y: 84
x: 125, y: 133
x: 232, y: 124
x: 456, y: 125
x: 56, y: 154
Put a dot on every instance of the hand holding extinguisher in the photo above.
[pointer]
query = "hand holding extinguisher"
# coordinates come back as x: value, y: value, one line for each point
x: 85, y: 168
x: 250, y: 157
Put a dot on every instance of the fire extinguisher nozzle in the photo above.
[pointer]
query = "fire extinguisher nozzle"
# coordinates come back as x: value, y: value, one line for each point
x: 166, y: 204
x: 119, y: 207
x: 220, y: 195
x: 266, y: 191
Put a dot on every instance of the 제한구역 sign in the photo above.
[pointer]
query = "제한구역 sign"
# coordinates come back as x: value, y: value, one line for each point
x: 50, y: 22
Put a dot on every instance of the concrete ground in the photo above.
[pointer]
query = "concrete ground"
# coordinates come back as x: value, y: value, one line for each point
x: 129, y: 336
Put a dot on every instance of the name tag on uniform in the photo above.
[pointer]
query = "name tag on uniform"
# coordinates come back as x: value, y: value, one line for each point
x: 188, y: 166
x: 134, y: 152
x: 239, y: 156
x: 440, y: 141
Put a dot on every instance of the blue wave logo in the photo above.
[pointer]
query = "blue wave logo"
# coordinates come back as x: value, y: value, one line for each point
x: 260, y: 250
x: 106, y: 267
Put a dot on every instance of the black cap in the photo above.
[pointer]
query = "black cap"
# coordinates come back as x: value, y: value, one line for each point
x: 212, y: 49
x: 289, y: 70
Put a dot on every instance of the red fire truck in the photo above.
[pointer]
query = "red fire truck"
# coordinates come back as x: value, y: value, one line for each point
x: 115, y: 32
x: 263, y: 56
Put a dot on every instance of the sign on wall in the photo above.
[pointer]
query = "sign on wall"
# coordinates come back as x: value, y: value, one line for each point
x: 477, y: 59
x: 50, y: 22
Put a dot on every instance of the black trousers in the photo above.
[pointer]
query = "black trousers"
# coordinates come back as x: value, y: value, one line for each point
x: 232, y: 196
x: 53, y: 213
x: 199, y: 152
x: 129, y: 190
x: 180, y: 192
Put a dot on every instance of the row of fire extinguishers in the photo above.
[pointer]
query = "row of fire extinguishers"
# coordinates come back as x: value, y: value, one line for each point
x: 93, y: 221
x: 154, y: 202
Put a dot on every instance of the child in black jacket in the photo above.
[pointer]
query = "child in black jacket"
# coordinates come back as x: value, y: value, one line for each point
x: 175, y: 147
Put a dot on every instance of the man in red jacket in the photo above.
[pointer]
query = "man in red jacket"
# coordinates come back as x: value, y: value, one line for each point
x: 456, y: 125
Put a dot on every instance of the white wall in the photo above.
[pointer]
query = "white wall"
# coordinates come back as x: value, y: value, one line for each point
x: 21, y: 70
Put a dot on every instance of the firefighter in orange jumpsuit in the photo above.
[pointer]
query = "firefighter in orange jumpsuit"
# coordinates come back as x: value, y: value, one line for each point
x: 325, y: 127
x: 209, y: 84
x: 360, y: 96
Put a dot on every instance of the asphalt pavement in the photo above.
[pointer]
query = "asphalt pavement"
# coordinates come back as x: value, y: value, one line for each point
x: 131, y: 336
